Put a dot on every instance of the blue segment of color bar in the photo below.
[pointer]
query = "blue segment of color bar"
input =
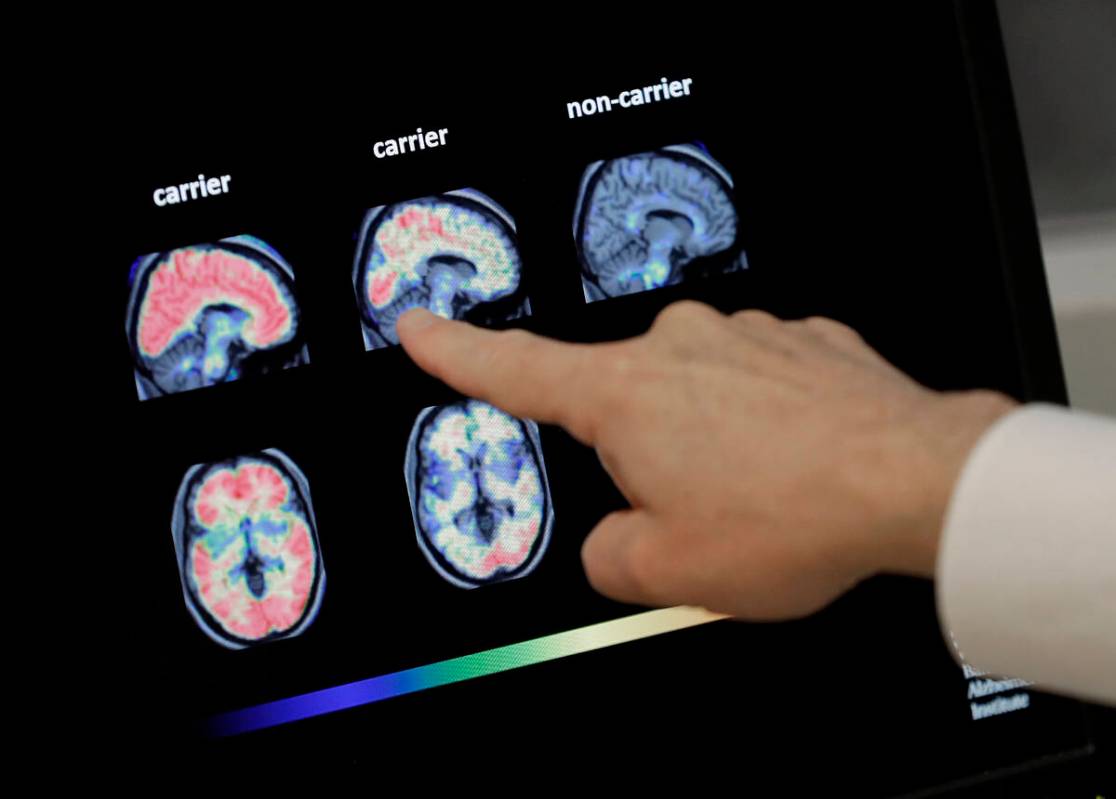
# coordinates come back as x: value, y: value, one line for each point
x: 445, y: 672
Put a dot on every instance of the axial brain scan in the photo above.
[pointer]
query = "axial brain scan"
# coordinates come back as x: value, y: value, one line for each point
x: 247, y: 549
x: 452, y: 253
x: 479, y: 493
x: 655, y: 219
x: 211, y: 313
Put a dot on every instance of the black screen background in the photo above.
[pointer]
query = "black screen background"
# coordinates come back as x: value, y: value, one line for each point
x: 860, y: 193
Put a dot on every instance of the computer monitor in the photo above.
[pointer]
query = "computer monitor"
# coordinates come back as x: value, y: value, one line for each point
x: 305, y: 565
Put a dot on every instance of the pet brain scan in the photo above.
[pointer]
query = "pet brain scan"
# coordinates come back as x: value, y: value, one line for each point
x: 452, y: 253
x: 655, y: 219
x: 247, y: 549
x: 211, y: 313
x: 479, y: 493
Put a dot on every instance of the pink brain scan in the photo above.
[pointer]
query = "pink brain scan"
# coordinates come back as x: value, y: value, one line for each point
x: 247, y: 549
x: 211, y: 313
x: 455, y: 254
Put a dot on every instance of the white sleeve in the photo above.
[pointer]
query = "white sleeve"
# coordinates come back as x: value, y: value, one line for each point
x: 1026, y: 579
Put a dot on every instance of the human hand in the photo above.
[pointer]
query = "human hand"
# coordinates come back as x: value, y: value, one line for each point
x: 770, y: 465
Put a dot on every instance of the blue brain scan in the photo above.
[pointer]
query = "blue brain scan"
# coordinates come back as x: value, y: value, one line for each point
x: 655, y: 219
x: 479, y: 493
x: 453, y: 253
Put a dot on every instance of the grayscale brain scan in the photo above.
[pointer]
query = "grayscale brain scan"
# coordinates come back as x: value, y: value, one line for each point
x: 655, y: 219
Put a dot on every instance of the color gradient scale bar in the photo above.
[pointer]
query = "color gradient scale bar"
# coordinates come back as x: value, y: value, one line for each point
x: 445, y: 672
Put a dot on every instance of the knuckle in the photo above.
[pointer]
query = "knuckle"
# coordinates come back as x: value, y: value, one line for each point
x: 512, y: 350
x: 755, y: 316
x: 586, y: 413
x: 516, y: 337
x: 616, y: 368
x: 683, y: 314
x: 831, y: 327
x: 607, y: 386
x: 624, y: 374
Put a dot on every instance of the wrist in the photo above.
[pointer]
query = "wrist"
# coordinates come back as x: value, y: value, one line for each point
x: 946, y: 434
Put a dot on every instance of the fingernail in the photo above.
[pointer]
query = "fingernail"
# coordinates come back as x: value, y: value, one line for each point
x: 416, y: 319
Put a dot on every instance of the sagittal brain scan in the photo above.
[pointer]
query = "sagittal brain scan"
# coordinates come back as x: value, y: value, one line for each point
x: 453, y: 253
x: 211, y: 313
x: 655, y: 219
x: 247, y: 549
x: 479, y: 493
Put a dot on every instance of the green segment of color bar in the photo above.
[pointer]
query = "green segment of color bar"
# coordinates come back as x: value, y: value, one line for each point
x: 558, y: 645
x: 445, y: 672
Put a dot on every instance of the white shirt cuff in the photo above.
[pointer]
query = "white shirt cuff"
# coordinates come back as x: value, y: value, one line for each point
x: 1026, y: 577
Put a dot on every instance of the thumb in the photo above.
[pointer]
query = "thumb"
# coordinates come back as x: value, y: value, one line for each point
x: 624, y: 558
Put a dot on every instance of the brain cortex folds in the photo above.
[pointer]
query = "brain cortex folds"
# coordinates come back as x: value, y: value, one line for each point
x: 655, y: 219
x: 454, y: 253
x: 479, y: 493
x: 211, y: 313
x: 247, y: 549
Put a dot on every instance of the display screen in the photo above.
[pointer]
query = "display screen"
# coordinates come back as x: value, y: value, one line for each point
x: 322, y: 542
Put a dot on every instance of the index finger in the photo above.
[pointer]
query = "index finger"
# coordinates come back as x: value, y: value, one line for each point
x: 524, y: 374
